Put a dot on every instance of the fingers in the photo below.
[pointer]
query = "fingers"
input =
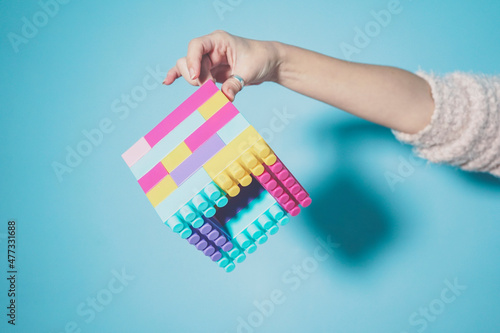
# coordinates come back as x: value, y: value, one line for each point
x: 205, y: 73
x: 197, y: 48
x: 180, y: 69
x: 231, y: 87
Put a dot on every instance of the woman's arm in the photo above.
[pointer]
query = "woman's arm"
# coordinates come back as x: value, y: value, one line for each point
x: 384, y: 95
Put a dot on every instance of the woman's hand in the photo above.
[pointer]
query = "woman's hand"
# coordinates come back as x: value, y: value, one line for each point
x: 219, y: 55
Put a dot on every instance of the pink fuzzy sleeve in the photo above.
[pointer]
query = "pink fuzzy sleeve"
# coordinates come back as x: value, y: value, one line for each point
x: 465, y: 127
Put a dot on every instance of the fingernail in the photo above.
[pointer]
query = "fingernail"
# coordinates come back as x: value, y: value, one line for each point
x: 165, y: 82
x: 191, y: 73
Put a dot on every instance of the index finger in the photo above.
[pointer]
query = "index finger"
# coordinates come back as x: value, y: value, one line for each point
x: 197, y: 48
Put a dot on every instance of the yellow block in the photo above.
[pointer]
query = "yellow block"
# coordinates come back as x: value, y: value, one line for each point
x: 176, y: 157
x: 232, y: 151
x: 161, y: 190
x: 214, y: 104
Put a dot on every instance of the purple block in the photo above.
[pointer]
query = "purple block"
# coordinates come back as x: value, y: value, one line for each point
x: 216, y: 256
x: 194, y: 238
x: 209, y: 250
x: 227, y: 246
x: 220, y: 241
x: 201, y: 245
x: 213, y: 235
x: 196, y: 160
x: 205, y: 228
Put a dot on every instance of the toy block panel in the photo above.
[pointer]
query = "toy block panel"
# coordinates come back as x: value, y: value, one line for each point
x: 167, y: 145
x: 181, y: 113
x: 215, y: 103
x: 213, y: 180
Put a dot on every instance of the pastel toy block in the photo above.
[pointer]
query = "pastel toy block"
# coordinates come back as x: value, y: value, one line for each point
x: 176, y: 157
x: 134, y: 153
x: 213, y: 179
x: 194, y: 162
x: 233, y: 128
x: 153, y: 177
x: 213, y: 104
x: 161, y: 190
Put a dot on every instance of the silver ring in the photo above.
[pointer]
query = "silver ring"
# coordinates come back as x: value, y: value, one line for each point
x: 240, y: 80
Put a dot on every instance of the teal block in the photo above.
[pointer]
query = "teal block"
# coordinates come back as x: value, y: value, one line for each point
x: 224, y: 260
x: 233, y: 128
x: 175, y: 223
x: 252, y: 248
x: 234, y: 252
x: 187, y: 213
x: 200, y: 202
x: 273, y: 229
x: 167, y: 144
x: 212, y: 191
x: 284, y: 220
x: 209, y: 212
x: 255, y: 231
x: 243, y: 240
x: 229, y: 267
x: 222, y: 201
x: 240, y: 258
x: 262, y: 239
x: 186, y: 232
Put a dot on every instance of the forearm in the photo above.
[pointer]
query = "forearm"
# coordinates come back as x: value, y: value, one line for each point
x: 387, y: 96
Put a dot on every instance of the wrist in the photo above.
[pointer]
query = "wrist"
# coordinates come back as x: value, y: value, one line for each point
x: 278, y: 60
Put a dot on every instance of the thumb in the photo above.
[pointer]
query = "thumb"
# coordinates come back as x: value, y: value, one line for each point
x: 231, y: 87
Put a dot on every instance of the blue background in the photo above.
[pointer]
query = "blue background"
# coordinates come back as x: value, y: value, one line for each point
x: 396, y: 245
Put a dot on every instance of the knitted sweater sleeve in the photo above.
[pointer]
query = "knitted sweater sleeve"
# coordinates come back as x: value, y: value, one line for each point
x: 465, y: 128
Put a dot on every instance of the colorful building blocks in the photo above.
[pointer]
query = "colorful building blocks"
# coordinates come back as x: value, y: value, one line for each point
x: 213, y: 179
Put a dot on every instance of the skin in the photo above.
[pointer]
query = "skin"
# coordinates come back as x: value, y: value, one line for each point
x: 385, y: 95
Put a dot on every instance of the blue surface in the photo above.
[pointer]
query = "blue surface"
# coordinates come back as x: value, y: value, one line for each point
x: 391, y: 249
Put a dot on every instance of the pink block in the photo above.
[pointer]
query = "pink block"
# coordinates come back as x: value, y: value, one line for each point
x: 295, y: 211
x: 171, y: 121
x: 153, y: 177
x: 134, y: 153
x: 306, y: 202
x: 211, y: 126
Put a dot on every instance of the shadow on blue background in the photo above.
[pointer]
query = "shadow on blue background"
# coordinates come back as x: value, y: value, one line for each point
x: 344, y: 207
